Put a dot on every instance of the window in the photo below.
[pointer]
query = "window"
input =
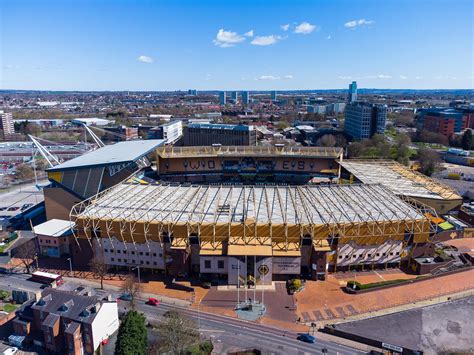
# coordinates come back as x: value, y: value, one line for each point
x: 391, y: 253
x: 347, y: 256
x: 119, y: 260
x: 147, y: 254
x: 148, y: 263
x: 118, y: 251
x: 378, y: 254
x: 154, y: 263
x: 124, y: 260
x: 207, y: 264
x: 161, y: 255
x: 340, y: 256
x: 105, y: 250
x: 141, y: 262
x: 354, y: 256
x: 133, y: 261
x: 112, y: 259
x: 133, y: 253
x: 398, y: 253
x: 141, y: 253
x: 154, y: 254
x: 369, y: 255
x: 220, y: 264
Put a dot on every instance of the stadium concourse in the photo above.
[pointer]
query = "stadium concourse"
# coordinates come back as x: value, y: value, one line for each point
x: 260, y: 232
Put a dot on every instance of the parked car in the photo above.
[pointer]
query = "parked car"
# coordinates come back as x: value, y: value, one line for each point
x: 126, y: 297
x: 307, y: 338
x: 152, y: 302
x: 10, y: 351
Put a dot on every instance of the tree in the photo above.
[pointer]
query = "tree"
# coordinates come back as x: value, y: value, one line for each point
x: 177, y: 332
x: 326, y: 140
x: 429, y: 161
x: 132, y: 335
x: 24, y: 172
x: 466, y: 141
x: 27, y: 253
x: 131, y: 287
x: 99, y: 268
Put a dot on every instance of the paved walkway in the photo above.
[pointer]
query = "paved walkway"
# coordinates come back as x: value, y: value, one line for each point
x: 326, y: 301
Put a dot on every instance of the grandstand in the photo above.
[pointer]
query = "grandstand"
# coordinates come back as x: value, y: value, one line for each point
x: 230, y: 231
x: 248, y: 164
x: 403, y: 182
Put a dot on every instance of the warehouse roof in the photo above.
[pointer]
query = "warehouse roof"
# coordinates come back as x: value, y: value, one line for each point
x: 54, y: 228
x: 255, y: 151
x: 120, y: 152
x: 269, y: 205
x: 398, y: 178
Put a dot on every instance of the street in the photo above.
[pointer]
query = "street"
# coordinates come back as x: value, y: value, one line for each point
x: 233, y: 332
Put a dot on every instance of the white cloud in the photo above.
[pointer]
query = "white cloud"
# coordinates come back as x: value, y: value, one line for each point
x: 384, y: 76
x: 249, y: 33
x: 265, y: 40
x: 288, y: 77
x: 305, y: 28
x: 344, y: 77
x: 403, y: 77
x: 445, y: 77
x: 418, y: 77
x: 361, y: 22
x: 328, y: 37
x: 145, y: 59
x: 208, y: 77
x: 226, y: 39
x: 267, y: 77
x: 285, y: 27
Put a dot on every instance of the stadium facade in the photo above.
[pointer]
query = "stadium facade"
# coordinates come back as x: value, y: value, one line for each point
x: 235, y: 213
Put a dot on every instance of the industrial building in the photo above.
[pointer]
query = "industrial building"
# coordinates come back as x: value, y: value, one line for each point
x: 445, y: 121
x: 202, y: 134
x: 171, y: 132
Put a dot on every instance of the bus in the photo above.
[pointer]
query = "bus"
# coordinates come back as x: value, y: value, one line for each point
x: 54, y: 280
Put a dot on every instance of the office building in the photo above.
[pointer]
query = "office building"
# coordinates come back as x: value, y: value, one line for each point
x: 363, y: 119
x: 222, y: 98
x: 335, y: 108
x: 119, y: 133
x: 65, y: 322
x: 170, y: 132
x: 245, y: 98
x: 6, y: 123
x: 192, y: 92
x: 352, y: 96
x: 445, y: 121
x: 234, y: 96
x: 53, y: 237
x: 225, y: 134
x: 274, y: 95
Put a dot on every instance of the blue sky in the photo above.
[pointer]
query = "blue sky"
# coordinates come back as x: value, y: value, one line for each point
x: 225, y: 45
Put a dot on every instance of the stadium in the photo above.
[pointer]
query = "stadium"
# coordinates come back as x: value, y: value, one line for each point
x: 264, y: 219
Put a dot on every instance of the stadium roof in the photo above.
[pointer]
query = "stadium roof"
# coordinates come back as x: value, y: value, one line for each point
x: 54, y: 228
x: 220, y: 126
x: 267, y: 205
x: 120, y: 152
x: 255, y: 151
x: 399, y: 179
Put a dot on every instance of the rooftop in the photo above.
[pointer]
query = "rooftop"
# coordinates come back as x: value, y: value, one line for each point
x: 398, y: 178
x: 219, y: 126
x: 265, y: 205
x: 248, y: 151
x: 121, y: 152
x: 54, y: 228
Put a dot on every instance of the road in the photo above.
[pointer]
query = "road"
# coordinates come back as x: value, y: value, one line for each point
x: 233, y: 332
x: 225, y: 332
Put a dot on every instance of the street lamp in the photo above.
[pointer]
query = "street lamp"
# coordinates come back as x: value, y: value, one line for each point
x: 199, y: 315
x: 36, y: 259
x: 70, y: 266
x: 138, y: 270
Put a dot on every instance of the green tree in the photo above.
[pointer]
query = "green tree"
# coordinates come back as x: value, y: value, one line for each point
x: 466, y: 141
x: 132, y: 335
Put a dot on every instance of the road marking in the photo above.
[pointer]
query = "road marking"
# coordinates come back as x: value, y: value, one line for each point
x: 379, y: 275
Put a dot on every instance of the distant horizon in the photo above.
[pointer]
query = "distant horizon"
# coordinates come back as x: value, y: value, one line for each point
x: 143, y: 45
x: 231, y: 90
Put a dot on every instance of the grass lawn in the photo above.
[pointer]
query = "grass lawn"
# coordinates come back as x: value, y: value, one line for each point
x: 8, y: 307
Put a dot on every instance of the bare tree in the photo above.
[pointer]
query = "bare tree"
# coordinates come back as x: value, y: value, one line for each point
x: 99, y: 269
x: 328, y: 140
x: 131, y: 287
x: 27, y: 253
x: 177, y: 333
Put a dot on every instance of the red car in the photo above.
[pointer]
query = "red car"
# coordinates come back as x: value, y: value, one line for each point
x: 152, y: 302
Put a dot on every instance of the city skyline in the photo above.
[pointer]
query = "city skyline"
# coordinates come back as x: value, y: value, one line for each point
x: 301, y: 45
